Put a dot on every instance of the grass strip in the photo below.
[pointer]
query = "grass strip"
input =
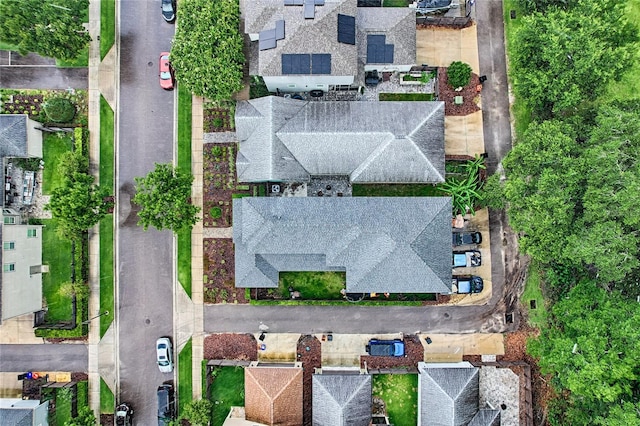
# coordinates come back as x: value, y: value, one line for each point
x: 400, y: 394
x: 406, y: 96
x: 184, y: 165
x: 396, y: 190
x: 56, y: 252
x: 185, y: 377
x: 106, y: 273
x: 532, y: 297
x: 107, y: 399
x: 107, y: 26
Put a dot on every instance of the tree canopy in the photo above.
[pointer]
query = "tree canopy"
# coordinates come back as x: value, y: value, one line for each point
x: 48, y: 27
x: 164, y: 196
x: 592, y: 348
x: 207, y: 49
x: 563, y: 58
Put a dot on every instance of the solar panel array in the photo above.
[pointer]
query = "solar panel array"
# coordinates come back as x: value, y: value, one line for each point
x: 267, y: 39
x: 378, y: 52
x: 305, y: 63
x: 346, y: 29
x: 308, y: 6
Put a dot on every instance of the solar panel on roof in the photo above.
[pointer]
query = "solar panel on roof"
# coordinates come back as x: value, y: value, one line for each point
x: 279, y: 34
x: 378, y: 52
x: 346, y: 29
x: 321, y: 63
x: 388, y: 53
x: 296, y: 63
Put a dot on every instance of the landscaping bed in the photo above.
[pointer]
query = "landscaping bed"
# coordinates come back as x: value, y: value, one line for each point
x: 217, y: 118
x: 309, y: 352
x: 218, y: 272
x: 30, y: 102
x: 221, y: 185
x: 448, y: 94
x: 231, y: 346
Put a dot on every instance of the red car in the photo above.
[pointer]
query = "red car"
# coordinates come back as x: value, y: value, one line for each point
x: 166, y: 73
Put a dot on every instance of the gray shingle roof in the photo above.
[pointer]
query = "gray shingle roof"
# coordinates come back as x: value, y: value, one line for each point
x: 486, y: 417
x: 13, y: 135
x: 385, y: 244
x: 289, y: 140
x: 16, y: 417
x: 341, y: 400
x: 448, y: 396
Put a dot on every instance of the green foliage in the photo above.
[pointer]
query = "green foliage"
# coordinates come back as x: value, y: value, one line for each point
x: 492, y: 192
x: 465, y: 192
x: 85, y: 418
x: 563, y: 58
x: 458, y: 74
x: 593, y: 351
x: 59, y: 110
x: 544, y: 183
x: 543, y: 5
x: 215, y: 212
x: 48, y: 28
x: 257, y: 88
x: 31, y: 164
x: 164, y: 196
x: 71, y: 162
x: 207, y: 49
x: 78, y: 205
x: 198, y: 412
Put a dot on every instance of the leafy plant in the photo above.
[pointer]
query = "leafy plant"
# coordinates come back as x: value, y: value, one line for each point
x: 59, y: 110
x: 464, y: 192
x: 215, y: 212
x: 458, y: 74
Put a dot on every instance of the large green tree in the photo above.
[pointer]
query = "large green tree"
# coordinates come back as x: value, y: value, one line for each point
x: 207, y: 49
x: 78, y: 204
x: 164, y: 196
x: 592, y: 348
x: 544, y: 184
x: 563, y: 58
x: 49, y: 27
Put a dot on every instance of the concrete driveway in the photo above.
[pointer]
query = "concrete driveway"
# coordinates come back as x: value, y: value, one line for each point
x: 33, y: 71
x: 49, y: 357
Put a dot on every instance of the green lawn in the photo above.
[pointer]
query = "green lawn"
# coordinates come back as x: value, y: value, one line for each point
x: 184, y: 164
x: 81, y: 61
x: 107, y: 26
x: 395, y: 190
x: 395, y: 3
x: 106, y: 144
x: 313, y: 285
x: 106, y: 224
x: 226, y: 390
x: 185, y: 368
x: 406, y: 96
x: 56, y: 253
x: 521, y: 113
x: 400, y: 393
x: 106, y: 273
x: 83, y: 394
x: 533, y: 292
x: 63, y: 409
x: 53, y: 146
x: 107, y: 400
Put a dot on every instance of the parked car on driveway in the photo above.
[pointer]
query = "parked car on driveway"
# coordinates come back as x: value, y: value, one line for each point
x: 465, y: 284
x: 166, y: 73
x: 385, y: 347
x: 164, y: 355
x: 463, y: 259
x: 465, y: 238
x: 168, y: 10
x: 166, y: 404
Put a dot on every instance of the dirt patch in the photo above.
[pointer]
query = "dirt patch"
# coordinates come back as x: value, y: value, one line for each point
x: 309, y: 352
x: 107, y: 419
x: 413, y: 350
x: 469, y: 93
x: 231, y: 346
x: 218, y: 272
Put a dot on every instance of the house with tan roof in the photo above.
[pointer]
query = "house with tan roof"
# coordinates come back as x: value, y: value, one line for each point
x: 304, y: 45
x: 273, y: 393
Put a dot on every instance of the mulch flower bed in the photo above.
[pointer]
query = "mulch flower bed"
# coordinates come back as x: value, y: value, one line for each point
x: 107, y: 419
x: 311, y: 359
x: 217, y: 119
x: 23, y: 104
x: 231, y: 346
x: 218, y: 272
x: 30, y: 102
x: 413, y: 350
x: 448, y: 94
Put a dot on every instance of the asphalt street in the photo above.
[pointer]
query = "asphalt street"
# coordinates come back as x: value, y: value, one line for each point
x: 145, y: 133
x: 49, y: 357
x: 36, y: 72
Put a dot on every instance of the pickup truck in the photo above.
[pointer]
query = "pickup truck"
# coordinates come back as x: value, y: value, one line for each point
x: 385, y: 347
x: 465, y: 284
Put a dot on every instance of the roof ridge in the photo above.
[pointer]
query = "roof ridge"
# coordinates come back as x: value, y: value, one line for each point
x: 374, y: 154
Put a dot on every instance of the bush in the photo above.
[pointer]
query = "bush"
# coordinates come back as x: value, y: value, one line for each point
x: 59, y: 110
x: 458, y: 74
x: 215, y: 212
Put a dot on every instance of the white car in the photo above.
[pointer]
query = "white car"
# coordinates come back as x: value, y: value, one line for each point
x: 164, y: 355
